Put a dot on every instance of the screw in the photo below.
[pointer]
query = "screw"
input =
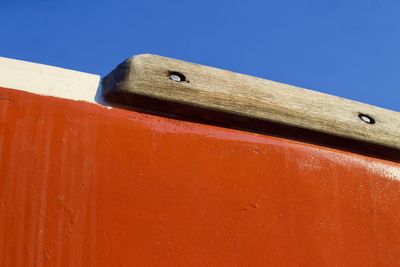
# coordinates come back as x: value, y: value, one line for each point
x: 177, y: 76
x: 366, y: 118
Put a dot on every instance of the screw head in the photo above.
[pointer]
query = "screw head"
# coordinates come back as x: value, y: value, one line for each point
x: 175, y: 78
x: 366, y: 118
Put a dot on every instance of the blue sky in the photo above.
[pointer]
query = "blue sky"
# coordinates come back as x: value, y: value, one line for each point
x: 348, y: 48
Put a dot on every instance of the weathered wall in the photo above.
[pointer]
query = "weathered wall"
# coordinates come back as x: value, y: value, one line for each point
x: 82, y: 185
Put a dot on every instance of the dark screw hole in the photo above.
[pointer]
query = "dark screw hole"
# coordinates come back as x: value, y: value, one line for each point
x: 177, y: 76
x: 366, y: 118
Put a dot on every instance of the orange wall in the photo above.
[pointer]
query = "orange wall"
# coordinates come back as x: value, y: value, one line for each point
x: 82, y: 185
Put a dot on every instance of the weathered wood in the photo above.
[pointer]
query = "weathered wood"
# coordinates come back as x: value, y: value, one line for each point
x: 197, y: 91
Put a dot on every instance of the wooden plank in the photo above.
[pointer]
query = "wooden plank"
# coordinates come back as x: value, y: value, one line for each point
x: 199, y: 92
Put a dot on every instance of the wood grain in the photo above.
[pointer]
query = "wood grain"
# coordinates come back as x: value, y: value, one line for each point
x: 223, y: 96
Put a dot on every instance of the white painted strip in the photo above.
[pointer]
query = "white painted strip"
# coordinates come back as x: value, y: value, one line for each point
x: 50, y: 81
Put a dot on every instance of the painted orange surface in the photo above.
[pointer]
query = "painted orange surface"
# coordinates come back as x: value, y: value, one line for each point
x: 83, y: 185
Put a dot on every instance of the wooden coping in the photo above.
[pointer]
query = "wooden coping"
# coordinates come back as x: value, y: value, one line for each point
x: 204, y: 93
x: 49, y: 81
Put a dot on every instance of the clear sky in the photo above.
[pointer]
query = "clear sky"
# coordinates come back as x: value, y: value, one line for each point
x: 348, y: 48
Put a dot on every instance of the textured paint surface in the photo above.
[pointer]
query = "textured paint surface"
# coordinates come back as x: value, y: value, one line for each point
x: 82, y: 185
